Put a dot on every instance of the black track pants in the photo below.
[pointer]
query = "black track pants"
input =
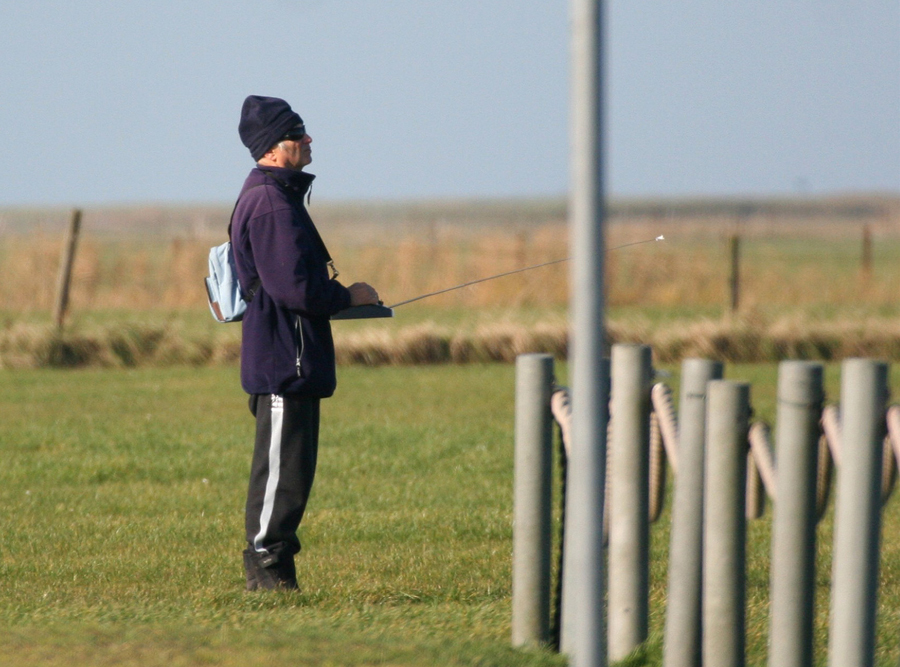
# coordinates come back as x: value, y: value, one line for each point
x: 284, y: 465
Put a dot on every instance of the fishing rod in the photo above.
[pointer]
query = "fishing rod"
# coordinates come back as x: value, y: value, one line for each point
x: 509, y: 273
x: 372, y: 311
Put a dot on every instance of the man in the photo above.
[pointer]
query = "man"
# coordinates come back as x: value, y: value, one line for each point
x: 287, y: 353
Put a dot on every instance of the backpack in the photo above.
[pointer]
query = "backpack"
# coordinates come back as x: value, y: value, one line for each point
x: 227, y: 301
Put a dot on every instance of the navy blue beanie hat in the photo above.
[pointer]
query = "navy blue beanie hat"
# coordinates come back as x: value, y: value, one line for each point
x: 264, y: 121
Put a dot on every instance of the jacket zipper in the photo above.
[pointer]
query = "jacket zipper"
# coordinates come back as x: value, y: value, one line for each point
x: 299, y: 328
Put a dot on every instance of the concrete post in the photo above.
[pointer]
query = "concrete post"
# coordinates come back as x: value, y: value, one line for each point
x: 583, y: 626
x: 532, y: 504
x: 724, y: 522
x: 854, y: 585
x: 683, y: 617
x: 792, y: 591
x: 629, y: 475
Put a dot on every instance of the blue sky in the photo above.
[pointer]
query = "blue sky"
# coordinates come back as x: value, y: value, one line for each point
x: 110, y: 102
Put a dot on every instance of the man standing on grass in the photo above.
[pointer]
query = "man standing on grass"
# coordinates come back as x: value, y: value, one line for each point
x: 287, y: 353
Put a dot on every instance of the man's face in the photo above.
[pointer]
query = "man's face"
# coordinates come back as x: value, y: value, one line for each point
x: 294, y: 150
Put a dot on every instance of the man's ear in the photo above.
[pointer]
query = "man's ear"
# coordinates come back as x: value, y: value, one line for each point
x: 270, y: 158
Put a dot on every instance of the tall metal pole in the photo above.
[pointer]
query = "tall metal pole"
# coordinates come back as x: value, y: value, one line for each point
x: 857, y: 514
x: 532, y: 507
x: 683, y: 608
x: 583, y: 634
x: 800, y: 395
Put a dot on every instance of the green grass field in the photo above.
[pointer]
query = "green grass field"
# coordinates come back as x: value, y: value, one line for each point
x: 123, y: 497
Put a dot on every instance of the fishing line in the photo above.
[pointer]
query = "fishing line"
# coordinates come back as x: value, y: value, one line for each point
x: 509, y: 273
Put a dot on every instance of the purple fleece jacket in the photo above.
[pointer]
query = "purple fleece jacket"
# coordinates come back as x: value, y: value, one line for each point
x: 287, y: 346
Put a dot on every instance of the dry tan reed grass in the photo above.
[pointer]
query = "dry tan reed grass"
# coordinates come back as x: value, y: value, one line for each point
x: 783, y: 262
x: 733, y: 339
x: 816, y: 262
x: 106, y: 274
x: 37, y: 346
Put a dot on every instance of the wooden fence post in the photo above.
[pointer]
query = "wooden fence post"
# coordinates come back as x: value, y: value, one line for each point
x: 65, y: 270
x: 866, y: 256
x: 734, y: 244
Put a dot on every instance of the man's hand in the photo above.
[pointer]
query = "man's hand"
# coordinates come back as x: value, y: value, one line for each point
x: 362, y: 294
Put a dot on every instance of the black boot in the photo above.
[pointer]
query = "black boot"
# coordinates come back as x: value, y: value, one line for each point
x: 250, y: 570
x: 270, y: 570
